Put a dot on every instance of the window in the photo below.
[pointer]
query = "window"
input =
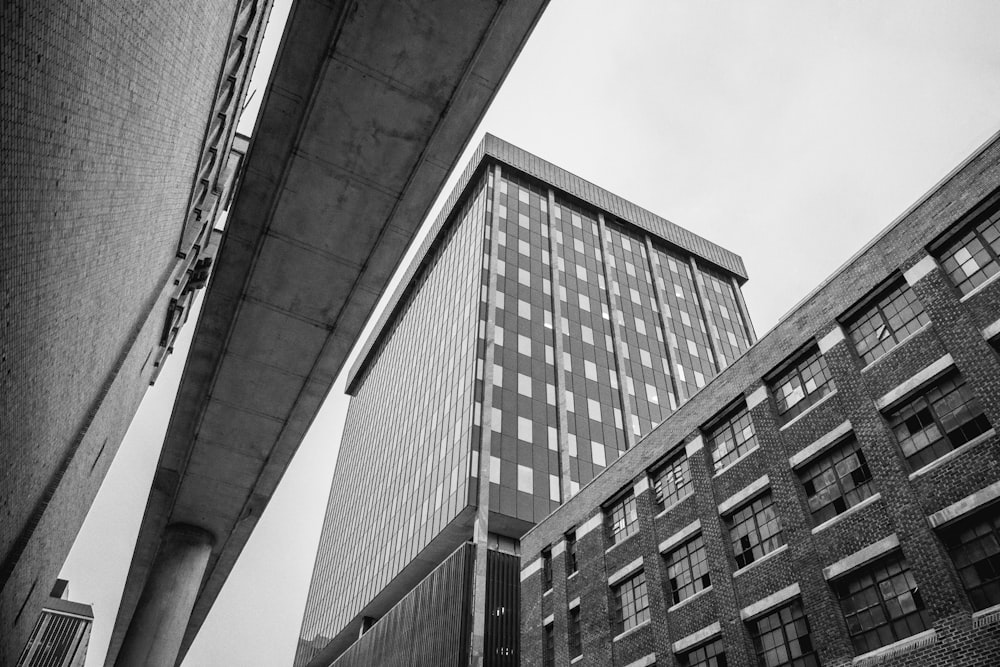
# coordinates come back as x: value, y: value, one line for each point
x: 549, y: 646
x: 571, y: 565
x: 881, y: 604
x: 574, y: 635
x: 707, y: 655
x: 940, y: 419
x: 687, y: 570
x: 630, y: 604
x: 974, y: 547
x: 672, y: 482
x: 731, y: 438
x: 754, y: 530
x: 781, y: 638
x: 546, y: 569
x: 886, y: 322
x: 971, y: 259
x: 622, y: 518
x: 837, y: 480
x: 802, y: 385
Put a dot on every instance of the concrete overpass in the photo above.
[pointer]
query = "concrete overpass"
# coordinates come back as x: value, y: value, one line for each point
x: 368, y: 108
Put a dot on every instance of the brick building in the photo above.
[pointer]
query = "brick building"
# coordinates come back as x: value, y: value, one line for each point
x: 119, y: 123
x: 546, y: 326
x: 828, y: 499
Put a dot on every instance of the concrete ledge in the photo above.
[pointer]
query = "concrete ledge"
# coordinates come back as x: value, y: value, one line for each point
x: 881, y: 655
x: 680, y: 536
x: 747, y: 492
x: 694, y: 446
x: 574, y: 603
x: 735, y: 462
x: 802, y: 414
x: 625, y: 571
x: 958, y: 451
x: 820, y: 445
x: 827, y: 342
x: 644, y: 661
x: 641, y: 486
x: 696, y: 638
x: 690, y: 598
x: 913, y: 274
x: 849, y: 511
x: 558, y: 548
x: 966, y: 505
x: 756, y: 397
x: 921, y: 377
x: 548, y: 620
x: 590, y: 524
x: 672, y: 505
x: 992, y: 330
x: 531, y: 568
x: 984, y: 617
x: 861, y: 557
x: 634, y: 628
x: 763, y: 559
x: 770, y: 602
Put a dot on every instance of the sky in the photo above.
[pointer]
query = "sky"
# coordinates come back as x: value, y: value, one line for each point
x: 790, y: 132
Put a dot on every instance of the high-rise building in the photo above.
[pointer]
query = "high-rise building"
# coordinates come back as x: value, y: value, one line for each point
x: 546, y: 326
x: 830, y: 498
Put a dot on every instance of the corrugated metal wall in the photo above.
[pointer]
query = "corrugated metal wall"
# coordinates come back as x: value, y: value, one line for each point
x: 430, y: 626
x: 503, y: 604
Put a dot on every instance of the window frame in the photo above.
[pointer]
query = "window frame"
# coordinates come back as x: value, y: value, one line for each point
x: 548, y: 645
x: 699, y: 583
x: 681, y: 490
x: 546, y: 569
x: 878, y: 302
x: 841, y: 588
x: 987, y: 213
x: 725, y: 423
x: 949, y: 535
x: 619, y: 622
x: 895, y: 420
x: 574, y: 632
x: 807, y: 658
x: 629, y: 528
x: 716, y: 643
x: 730, y: 519
x: 572, y: 565
x: 826, y: 455
x: 793, y: 369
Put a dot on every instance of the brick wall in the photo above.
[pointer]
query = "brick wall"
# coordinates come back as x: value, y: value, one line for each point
x: 105, y: 106
x: 801, y: 567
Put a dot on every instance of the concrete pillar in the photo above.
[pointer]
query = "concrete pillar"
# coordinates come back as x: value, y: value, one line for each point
x: 154, y: 636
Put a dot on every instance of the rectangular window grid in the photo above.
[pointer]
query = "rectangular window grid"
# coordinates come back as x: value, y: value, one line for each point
x: 781, y: 638
x: 971, y: 259
x: 630, y: 603
x: 574, y: 635
x: 622, y: 518
x: 732, y: 438
x: 755, y: 530
x: 881, y: 604
x: 712, y: 654
x: 885, y: 323
x: 722, y: 309
x: 672, y: 482
x: 802, y: 385
x: 837, y: 480
x: 942, y: 418
x: 974, y: 547
x: 687, y: 570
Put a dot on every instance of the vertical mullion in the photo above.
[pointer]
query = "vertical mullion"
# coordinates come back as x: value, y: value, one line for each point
x: 661, y: 307
x: 616, y: 336
x: 701, y: 297
x: 562, y: 425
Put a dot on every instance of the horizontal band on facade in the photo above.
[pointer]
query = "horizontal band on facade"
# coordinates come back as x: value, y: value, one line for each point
x: 680, y: 536
x: 770, y: 602
x: 698, y: 637
x: 625, y: 571
x: 966, y: 505
x: 915, y: 381
x: 747, y: 492
x: 861, y: 557
x: 820, y: 445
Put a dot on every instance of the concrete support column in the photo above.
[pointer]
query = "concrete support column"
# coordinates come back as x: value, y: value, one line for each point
x: 154, y: 636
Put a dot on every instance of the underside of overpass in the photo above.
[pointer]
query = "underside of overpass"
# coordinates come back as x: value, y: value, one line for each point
x: 368, y: 108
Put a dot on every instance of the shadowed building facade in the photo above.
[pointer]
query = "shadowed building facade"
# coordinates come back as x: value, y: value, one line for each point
x: 830, y: 498
x: 546, y: 326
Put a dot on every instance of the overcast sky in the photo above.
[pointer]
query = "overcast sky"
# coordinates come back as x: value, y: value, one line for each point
x: 789, y: 132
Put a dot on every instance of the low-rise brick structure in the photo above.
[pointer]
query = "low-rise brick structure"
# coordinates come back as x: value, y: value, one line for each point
x: 827, y: 499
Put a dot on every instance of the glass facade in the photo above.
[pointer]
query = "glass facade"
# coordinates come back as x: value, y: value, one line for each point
x: 636, y: 322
